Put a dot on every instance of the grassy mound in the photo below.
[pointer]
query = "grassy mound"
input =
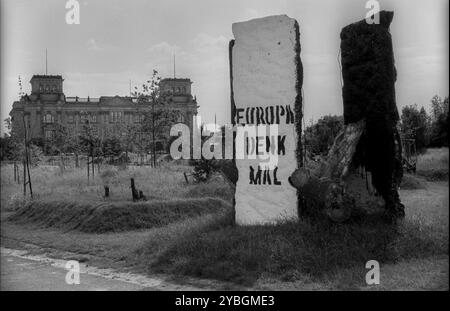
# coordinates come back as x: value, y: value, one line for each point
x: 113, y: 217
x: 213, y: 189
x: 243, y: 254
x: 434, y: 174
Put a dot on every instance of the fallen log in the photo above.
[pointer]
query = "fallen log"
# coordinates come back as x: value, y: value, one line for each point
x: 323, y: 189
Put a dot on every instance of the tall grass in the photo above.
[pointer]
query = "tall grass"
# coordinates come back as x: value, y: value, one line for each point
x: 433, y: 159
x: 433, y: 164
x: 243, y: 254
x: 162, y: 183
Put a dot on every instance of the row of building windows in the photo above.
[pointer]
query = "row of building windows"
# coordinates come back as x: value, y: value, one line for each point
x: 49, y: 133
x: 176, y: 90
x: 48, y: 88
x: 114, y: 117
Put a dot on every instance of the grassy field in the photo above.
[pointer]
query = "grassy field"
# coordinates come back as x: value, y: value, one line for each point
x: 207, y: 244
x: 162, y: 183
x: 433, y: 164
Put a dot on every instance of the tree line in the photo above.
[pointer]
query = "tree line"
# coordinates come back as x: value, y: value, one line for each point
x: 426, y: 129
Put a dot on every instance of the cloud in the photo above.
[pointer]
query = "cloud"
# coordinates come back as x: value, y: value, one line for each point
x: 163, y: 48
x: 206, y: 43
x: 204, y: 59
x: 92, y: 45
x: 202, y: 55
x: 96, y: 84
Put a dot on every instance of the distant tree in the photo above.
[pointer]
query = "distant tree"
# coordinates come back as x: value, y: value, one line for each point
x: 35, y: 154
x: 127, y: 135
x: 319, y: 137
x: 7, y: 143
x: 90, y: 142
x: 89, y: 138
x: 112, y: 147
x: 439, y: 107
x: 415, y: 125
x: 8, y: 124
x: 38, y: 141
x: 157, y: 120
x: 58, y: 142
x: 63, y: 141
x: 439, y: 122
x: 6, y: 148
x: 13, y: 147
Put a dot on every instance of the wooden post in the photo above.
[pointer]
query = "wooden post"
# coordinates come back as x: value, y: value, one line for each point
x: 134, y: 192
x: 106, y: 191
x: 18, y: 172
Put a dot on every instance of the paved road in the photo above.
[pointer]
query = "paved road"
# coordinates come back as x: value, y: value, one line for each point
x: 18, y: 273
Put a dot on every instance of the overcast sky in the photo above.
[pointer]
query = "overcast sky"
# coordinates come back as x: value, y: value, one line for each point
x: 117, y: 41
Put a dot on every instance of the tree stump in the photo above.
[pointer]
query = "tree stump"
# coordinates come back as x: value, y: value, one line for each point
x: 134, y: 192
x: 106, y: 191
x: 137, y: 195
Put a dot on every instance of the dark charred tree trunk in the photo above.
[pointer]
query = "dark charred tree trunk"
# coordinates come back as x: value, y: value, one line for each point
x: 370, y: 138
x: 369, y: 93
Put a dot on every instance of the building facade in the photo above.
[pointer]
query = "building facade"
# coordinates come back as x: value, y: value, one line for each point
x: 47, y: 106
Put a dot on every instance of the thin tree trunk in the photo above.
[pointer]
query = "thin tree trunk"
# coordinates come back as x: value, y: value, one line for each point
x: 92, y: 162
x: 87, y: 167
x: 28, y: 171
x: 153, y: 134
x: 24, y: 179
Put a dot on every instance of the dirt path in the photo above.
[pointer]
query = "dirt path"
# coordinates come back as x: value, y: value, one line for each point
x: 20, y: 271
